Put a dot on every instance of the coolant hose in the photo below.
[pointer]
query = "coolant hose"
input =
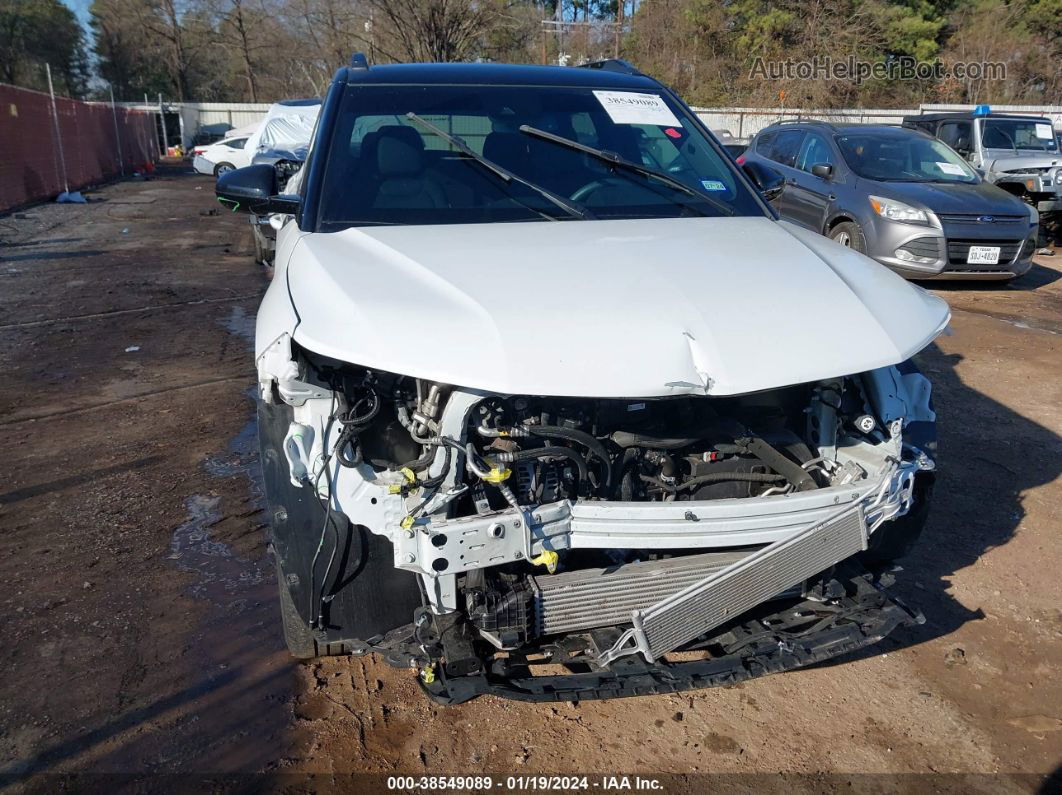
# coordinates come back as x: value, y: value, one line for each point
x: 715, y: 477
x: 627, y: 440
x: 579, y: 437
x: 793, y: 472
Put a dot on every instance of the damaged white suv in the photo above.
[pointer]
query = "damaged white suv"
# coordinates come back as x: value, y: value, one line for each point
x: 553, y: 406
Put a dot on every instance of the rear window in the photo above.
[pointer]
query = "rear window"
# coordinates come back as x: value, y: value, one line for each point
x: 764, y: 143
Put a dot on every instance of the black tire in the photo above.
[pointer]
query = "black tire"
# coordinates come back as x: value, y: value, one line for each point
x: 848, y: 233
x: 221, y: 168
x: 297, y: 635
x: 894, y: 539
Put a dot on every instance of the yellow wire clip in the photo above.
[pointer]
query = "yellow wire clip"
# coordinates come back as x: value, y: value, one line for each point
x: 549, y: 559
x: 410, y: 477
x: 497, y: 474
x: 427, y: 674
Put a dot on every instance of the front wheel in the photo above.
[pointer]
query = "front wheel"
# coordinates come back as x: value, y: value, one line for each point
x: 850, y: 235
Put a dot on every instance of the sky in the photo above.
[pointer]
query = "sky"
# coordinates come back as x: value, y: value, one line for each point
x: 80, y: 8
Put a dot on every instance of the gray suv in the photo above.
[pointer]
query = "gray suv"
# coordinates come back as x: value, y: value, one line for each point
x: 899, y: 196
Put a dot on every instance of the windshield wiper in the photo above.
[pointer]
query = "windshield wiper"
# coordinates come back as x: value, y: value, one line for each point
x: 504, y: 174
x: 618, y: 161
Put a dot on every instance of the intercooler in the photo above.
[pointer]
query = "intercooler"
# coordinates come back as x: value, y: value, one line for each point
x: 588, y: 598
x: 729, y: 592
x: 674, y: 600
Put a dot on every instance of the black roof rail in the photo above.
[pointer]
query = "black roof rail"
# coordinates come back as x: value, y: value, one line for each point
x: 802, y: 121
x: 613, y: 65
x: 359, y: 61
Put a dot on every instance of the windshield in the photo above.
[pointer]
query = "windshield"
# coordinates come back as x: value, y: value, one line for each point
x: 902, y: 156
x: 387, y: 167
x: 1028, y: 135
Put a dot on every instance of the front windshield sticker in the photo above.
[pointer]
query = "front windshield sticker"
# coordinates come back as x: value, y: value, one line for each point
x: 713, y: 184
x: 631, y: 107
x: 951, y: 168
x: 1044, y: 131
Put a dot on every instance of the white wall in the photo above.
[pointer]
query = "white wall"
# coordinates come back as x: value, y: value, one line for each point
x: 744, y: 122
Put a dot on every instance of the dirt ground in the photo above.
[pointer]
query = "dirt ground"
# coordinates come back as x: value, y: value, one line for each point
x: 140, y: 632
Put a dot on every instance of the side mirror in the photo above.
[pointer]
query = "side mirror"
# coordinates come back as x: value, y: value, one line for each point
x: 770, y: 182
x: 254, y: 189
x: 962, y: 146
x: 822, y: 170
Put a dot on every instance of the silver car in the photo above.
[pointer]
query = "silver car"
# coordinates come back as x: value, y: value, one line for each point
x: 899, y: 196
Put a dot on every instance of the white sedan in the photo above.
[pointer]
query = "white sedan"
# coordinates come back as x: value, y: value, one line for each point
x: 222, y: 156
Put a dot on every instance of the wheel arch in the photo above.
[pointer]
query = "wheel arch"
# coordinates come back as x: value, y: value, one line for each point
x: 835, y: 220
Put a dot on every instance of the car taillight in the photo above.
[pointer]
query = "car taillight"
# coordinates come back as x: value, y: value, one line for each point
x: 741, y: 160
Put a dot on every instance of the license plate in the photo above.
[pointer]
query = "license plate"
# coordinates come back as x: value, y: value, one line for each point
x: 983, y: 255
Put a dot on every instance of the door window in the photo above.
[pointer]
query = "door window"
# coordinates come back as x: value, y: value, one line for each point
x: 764, y: 142
x: 955, y: 134
x: 786, y: 146
x: 813, y: 152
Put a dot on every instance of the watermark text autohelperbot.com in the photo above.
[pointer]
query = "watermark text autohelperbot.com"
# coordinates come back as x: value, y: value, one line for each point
x: 856, y: 70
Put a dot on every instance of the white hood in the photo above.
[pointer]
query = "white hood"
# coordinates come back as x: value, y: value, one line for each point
x: 632, y: 308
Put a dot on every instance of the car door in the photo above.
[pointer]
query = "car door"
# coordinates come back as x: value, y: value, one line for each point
x: 238, y: 154
x: 810, y: 196
x: 956, y: 134
x: 784, y: 151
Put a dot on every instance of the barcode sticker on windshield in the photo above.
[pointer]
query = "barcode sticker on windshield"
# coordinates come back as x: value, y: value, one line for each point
x: 631, y: 107
x: 1042, y: 131
x: 951, y: 168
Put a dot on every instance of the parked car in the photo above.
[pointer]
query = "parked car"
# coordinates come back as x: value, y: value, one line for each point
x: 287, y: 163
x: 288, y: 124
x: 1018, y: 153
x: 732, y: 144
x: 225, y: 155
x: 529, y: 401
x: 281, y: 141
x: 899, y: 196
x: 212, y: 133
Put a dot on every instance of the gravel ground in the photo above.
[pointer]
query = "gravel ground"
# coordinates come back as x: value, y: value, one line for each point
x: 139, y: 625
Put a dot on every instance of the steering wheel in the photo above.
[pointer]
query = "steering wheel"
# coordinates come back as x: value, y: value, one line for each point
x: 606, y: 183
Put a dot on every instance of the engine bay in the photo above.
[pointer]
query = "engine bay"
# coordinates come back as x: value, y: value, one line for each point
x: 530, y: 519
x: 525, y: 451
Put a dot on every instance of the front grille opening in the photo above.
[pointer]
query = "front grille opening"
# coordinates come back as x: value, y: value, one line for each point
x: 959, y: 250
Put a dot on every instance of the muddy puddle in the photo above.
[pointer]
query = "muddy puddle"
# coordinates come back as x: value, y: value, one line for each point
x: 240, y: 718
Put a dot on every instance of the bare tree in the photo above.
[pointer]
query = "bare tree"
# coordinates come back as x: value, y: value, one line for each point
x: 245, y: 30
x: 433, y: 30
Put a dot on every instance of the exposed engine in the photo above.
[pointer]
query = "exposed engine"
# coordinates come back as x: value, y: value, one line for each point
x: 528, y: 451
x: 489, y: 499
x: 671, y: 449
